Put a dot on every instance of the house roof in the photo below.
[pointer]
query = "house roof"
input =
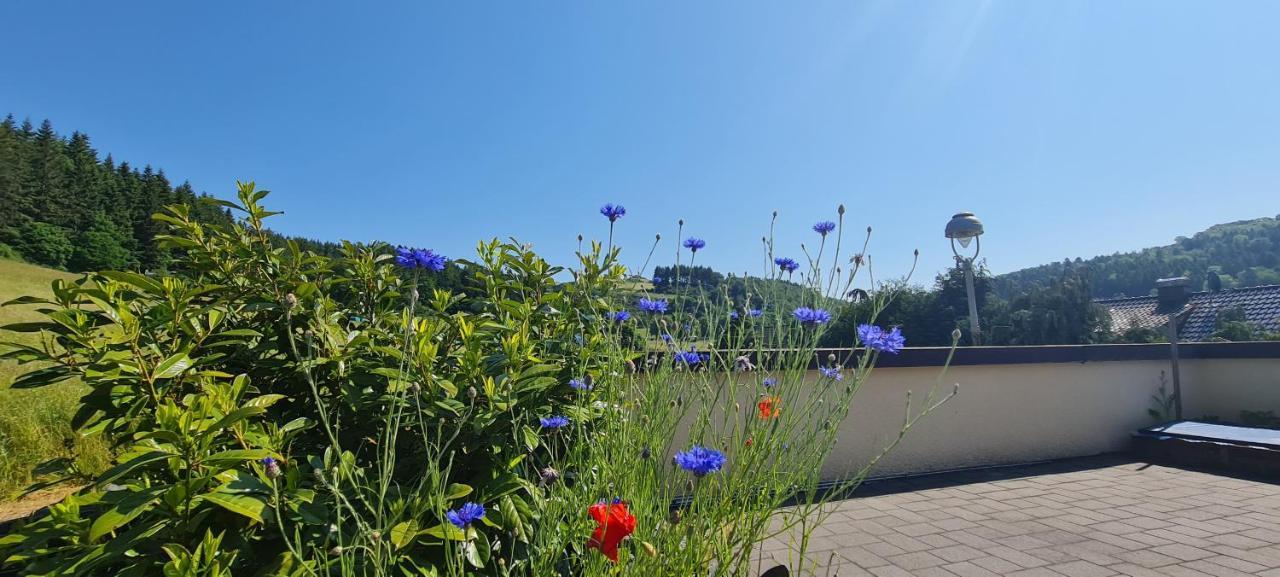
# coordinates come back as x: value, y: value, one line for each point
x: 1261, y: 305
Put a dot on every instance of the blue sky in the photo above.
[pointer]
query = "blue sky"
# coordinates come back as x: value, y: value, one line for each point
x: 1070, y: 128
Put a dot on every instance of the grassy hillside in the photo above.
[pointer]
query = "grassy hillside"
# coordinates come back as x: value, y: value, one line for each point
x: 34, y: 423
x: 1242, y: 253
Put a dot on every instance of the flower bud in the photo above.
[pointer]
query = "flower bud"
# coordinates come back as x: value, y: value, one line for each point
x: 290, y: 300
x: 336, y: 551
x: 376, y: 536
x: 471, y: 393
x: 549, y: 475
x: 657, y: 237
x: 955, y: 334
x: 271, y: 468
x: 831, y: 358
x: 840, y: 210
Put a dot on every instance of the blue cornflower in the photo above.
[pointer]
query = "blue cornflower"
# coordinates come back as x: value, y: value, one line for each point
x: 271, y: 467
x: 579, y: 384
x: 404, y: 257
x: 419, y: 258
x: 831, y: 373
x: 619, y: 316
x: 553, y: 422
x: 700, y: 460
x: 429, y: 260
x: 653, y: 305
x: 694, y: 243
x: 657, y: 279
x: 613, y: 212
x: 666, y: 337
x: 787, y: 265
x: 755, y: 313
x: 877, y: 339
x: 811, y: 317
x: 465, y: 515
x: 770, y: 382
x: 824, y: 227
x: 690, y: 357
x: 733, y: 315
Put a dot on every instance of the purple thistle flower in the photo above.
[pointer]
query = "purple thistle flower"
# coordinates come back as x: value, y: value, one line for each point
x: 824, y: 227
x: 770, y: 382
x: 579, y: 384
x: 831, y: 373
x: 787, y: 265
x: 700, y: 460
x: 877, y: 339
x: 694, y: 243
x: 613, y: 212
x: 553, y: 422
x: 465, y: 515
x: 653, y: 305
x: 619, y: 316
x: 812, y: 317
x: 755, y: 313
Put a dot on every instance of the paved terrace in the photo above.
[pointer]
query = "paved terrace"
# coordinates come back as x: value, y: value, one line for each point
x: 1085, y: 517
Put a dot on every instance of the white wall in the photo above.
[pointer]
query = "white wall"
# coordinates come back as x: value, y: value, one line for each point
x: 1017, y: 413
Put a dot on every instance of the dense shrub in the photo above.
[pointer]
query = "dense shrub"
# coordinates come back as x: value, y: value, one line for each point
x: 279, y: 412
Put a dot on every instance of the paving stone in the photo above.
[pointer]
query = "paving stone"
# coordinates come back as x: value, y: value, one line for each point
x: 1113, y: 518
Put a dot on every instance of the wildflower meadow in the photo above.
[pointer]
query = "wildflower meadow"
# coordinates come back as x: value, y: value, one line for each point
x: 277, y: 412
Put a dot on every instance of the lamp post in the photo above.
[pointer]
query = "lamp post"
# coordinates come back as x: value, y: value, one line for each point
x: 965, y: 228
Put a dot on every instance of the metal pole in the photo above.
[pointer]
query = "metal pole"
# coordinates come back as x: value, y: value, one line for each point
x: 1173, y: 356
x: 975, y: 332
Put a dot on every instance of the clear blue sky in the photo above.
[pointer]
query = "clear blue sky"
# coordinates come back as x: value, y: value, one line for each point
x: 1070, y: 128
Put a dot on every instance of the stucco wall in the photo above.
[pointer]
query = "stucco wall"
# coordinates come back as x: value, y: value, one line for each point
x: 1224, y: 387
x: 1017, y: 413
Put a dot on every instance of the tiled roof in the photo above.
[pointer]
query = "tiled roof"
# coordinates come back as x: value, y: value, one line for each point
x: 1261, y: 305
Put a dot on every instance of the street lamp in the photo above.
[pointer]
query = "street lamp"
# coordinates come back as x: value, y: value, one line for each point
x: 965, y: 228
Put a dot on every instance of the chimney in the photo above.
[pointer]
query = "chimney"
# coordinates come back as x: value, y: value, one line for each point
x: 1171, y: 294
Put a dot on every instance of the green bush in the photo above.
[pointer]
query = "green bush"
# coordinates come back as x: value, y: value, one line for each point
x: 9, y: 253
x: 47, y: 244
x: 276, y: 412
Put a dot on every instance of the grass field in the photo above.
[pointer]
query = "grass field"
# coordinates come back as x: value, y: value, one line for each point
x: 34, y: 424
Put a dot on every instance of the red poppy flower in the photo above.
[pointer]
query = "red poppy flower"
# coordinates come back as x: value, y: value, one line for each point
x: 770, y: 407
x: 613, y: 524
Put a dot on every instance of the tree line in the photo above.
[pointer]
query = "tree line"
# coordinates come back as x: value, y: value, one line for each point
x: 1230, y: 255
x: 66, y: 207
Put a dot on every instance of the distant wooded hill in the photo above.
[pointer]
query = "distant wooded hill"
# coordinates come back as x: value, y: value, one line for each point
x: 1243, y: 253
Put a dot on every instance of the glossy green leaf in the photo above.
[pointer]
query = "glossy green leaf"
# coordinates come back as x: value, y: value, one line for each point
x: 403, y: 533
x: 172, y: 366
x: 126, y: 509
x: 240, y: 504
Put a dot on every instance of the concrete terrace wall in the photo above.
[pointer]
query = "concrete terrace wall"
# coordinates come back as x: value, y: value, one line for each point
x: 1025, y: 404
